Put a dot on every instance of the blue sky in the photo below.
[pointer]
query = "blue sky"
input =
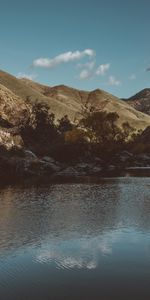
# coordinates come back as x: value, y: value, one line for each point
x: 86, y: 44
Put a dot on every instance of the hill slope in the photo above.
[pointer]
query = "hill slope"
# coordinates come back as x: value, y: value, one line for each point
x: 12, y: 108
x: 13, y: 113
x: 74, y: 102
x: 64, y: 100
x: 141, y: 101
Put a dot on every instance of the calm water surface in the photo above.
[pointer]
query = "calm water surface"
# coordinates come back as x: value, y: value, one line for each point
x: 76, y: 241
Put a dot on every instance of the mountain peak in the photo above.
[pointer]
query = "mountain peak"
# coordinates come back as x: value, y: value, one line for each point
x: 143, y: 93
x: 141, y: 101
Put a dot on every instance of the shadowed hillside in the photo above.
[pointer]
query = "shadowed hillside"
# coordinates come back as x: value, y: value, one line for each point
x: 141, y: 101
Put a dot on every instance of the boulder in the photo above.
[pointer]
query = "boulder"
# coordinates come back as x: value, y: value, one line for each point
x: 48, y: 159
x: 111, y: 167
x: 84, y: 167
x: 9, y: 140
x: 69, y: 171
x: 125, y: 156
x: 29, y: 154
x: 96, y: 169
x: 143, y: 157
x: 98, y: 160
x: 49, y: 166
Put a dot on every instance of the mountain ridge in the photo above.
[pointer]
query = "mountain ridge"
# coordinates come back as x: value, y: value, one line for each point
x: 63, y: 100
x: 141, y: 101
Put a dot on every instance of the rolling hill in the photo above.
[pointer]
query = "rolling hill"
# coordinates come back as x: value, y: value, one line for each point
x: 63, y: 100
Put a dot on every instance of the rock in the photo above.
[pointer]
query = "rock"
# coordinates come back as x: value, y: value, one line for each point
x: 84, y: 167
x: 29, y: 154
x: 98, y: 160
x: 96, y: 169
x: 143, y: 157
x: 125, y: 155
x: 48, y: 159
x: 49, y: 166
x: 9, y: 140
x: 69, y: 171
x: 111, y: 167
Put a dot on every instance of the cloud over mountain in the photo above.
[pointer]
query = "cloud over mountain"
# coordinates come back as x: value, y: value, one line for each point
x: 27, y: 76
x: 89, y: 70
x: 65, y: 57
x: 85, y: 74
x: 102, y: 69
x: 113, y: 81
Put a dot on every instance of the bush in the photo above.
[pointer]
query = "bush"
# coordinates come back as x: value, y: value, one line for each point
x: 39, y: 134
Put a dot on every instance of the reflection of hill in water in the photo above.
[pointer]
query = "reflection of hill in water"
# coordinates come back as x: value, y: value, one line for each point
x: 72, y: 211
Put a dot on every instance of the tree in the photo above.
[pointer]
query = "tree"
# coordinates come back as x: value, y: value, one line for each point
x: 76, y: 135
x: 40, y: 131
x: 103, y: 126
x: 128, y: 131
x: 64, y: 124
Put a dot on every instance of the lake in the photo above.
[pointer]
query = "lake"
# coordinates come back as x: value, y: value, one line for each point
x: 88, y: 241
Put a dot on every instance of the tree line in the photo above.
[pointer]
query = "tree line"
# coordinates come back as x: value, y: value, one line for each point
x: 97, y: 134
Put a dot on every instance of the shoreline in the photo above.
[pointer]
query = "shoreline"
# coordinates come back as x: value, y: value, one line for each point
x: 45, y: 179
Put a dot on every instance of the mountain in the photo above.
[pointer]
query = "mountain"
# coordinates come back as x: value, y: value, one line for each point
x: 38, y: 146
x: 17, y: 97
x: 31, y: 92
x: 63, y: 100
x: 141, y: 101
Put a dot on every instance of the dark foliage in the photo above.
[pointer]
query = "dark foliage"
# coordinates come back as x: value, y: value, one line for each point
x: 141, y: 142
x: 39, y: 134
x: 5, y: 123
x: 64, y: 124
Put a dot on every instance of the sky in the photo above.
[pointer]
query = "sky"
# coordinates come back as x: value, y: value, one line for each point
x: 86, y: 44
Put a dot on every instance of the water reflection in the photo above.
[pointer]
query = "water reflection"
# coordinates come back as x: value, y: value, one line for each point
x: 86, y: 253
x: 100, y: 228
x: 29, y: 216
x: 80, y: 253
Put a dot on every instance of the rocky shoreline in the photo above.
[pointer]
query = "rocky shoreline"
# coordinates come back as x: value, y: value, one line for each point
x: 31, y: 167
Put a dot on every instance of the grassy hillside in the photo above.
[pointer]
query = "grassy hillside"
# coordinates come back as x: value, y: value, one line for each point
x: 12, y: 108
x: 64, y: 100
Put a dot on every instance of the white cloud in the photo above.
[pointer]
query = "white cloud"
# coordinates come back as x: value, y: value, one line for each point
x: 132, y: 77
x: 85, y: 74
x: 63, y: 58
x: 102, y: 69
x: 113, y: 81
x: 89, y: 65
x: 89, y: 71
x: 27, y: 76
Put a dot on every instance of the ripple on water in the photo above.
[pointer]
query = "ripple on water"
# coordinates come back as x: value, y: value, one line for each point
x: 101, y: 231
